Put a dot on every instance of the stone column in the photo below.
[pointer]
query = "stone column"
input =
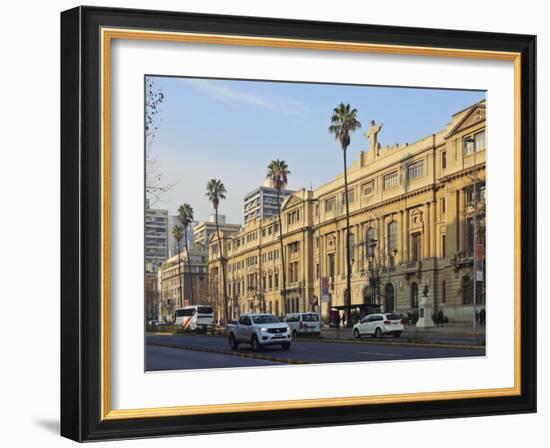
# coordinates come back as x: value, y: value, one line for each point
x: 381, y: 240
x: 406, y: 254
x: 401, y: 238
x: 357, y: 249
x: 426, y: 235
x: 460, y: 207
x: 337, y: 255
x: 361, y: 240
x: 433, y: 231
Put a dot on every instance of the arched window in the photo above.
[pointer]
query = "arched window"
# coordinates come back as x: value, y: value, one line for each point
x: 389, y: 298
x: 414, y: 295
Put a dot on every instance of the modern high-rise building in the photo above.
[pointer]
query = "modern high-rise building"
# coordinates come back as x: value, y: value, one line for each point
x: 156, y: 236
x: 204, y: 230
x: 156, y: 253
x: 262, y: 202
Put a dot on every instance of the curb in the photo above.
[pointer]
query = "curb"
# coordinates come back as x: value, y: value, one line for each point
x: 232, y: 353
x: 408, y: 344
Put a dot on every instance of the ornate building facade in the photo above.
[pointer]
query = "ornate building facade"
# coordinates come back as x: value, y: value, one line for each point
x: 174, y: 282
x: 416, y: 221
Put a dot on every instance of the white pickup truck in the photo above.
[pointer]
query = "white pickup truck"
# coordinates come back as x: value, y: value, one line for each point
x: 259, y: 330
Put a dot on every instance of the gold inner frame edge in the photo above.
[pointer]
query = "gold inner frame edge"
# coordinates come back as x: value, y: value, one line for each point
x: 107, y: 35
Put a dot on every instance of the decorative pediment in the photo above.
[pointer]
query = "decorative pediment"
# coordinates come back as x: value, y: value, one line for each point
x: 291, y: 201
x: 472, y: 117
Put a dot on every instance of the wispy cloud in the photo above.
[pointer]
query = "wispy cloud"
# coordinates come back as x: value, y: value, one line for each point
x: 230, y: 95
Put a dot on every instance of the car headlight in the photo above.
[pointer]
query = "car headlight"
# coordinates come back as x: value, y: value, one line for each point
x: 287, y: 328
x: 263, y: 330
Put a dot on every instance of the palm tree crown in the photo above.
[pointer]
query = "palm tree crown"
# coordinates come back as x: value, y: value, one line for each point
x: 344, y: 120
x: 215, y: 191
x: 185, y: 215
x: 277, y: 172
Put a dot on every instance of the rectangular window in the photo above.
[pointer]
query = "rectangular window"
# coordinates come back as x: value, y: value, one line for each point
x: 468, y: 146
x: 330, y: 203
x: 443, y: 246
x: 416, y: 246
x: 443, y: 291
x: 479, y: 141
x: 351, y: 197
x: 331, y: 265
x: 368, y: 188
x: 390, y: 180
x: 444, y: 160
x: 415, y: 170
x: 443, y: 206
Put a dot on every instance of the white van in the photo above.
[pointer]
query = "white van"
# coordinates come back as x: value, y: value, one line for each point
x: 303, y: 323
x: 194, y: 317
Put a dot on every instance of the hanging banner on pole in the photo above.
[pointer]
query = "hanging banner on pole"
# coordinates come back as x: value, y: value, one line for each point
x: 324, y: 290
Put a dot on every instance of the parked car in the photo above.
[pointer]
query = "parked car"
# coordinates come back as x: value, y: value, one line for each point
x: 259, y: 330
x: 378, y: 325
x: 303, y: 323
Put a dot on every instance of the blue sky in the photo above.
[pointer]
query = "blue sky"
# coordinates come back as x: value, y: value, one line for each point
x: 232, y: 129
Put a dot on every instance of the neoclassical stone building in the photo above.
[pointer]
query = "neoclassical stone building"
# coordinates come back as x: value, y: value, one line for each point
x: 412, y: 230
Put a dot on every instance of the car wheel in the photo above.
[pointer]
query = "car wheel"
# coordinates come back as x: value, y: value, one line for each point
x: 396, y: 334
x: 233, y: 342
x: 356, y: 334
x: 378, y: 333
x: 285, y: 345
x: 254, y: 343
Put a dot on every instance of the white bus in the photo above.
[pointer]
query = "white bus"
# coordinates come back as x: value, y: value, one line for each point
x: 194, y: 317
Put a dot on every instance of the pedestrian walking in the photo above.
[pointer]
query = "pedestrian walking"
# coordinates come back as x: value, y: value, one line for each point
x: 440, y: 318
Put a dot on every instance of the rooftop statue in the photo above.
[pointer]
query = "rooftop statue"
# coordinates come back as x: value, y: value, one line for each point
x: 372, y: 135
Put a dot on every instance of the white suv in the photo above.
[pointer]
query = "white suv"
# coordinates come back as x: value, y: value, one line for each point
x: 303, y: 323
x: 259, y: 330
x: 378, y: 325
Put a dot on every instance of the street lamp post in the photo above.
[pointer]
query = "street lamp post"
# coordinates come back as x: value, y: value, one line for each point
x: 371, y: 249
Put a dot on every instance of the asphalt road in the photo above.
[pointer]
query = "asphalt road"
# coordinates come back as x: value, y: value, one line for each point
x: 301, y: 351
x: 164, y: 358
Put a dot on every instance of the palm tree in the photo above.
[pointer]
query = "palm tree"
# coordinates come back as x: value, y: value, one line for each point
x: 177, y: 231
x: 343, y: 121
x: 277, y: 173
x: 215, y: 192
x: 185, y: 217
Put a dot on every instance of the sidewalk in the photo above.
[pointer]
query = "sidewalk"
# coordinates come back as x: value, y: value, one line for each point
x: 455, y: 334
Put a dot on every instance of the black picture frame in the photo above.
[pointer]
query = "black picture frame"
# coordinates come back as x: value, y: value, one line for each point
x: 81, y: 224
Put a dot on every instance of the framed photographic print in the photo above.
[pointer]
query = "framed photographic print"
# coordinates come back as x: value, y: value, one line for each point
x: 273, y: 223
